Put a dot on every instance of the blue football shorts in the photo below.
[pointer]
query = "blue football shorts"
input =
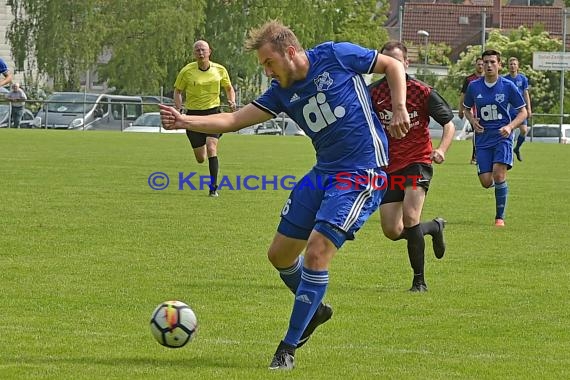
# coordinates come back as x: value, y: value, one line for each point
x: 501, y: 153
x: 336, y: 205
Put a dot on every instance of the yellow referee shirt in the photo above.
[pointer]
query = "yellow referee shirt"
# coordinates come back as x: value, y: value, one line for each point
x: 202, y: 88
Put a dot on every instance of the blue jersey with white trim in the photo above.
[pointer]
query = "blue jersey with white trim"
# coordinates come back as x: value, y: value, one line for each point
x: 332, y: 106
x: 520, y: 80
x: 495, y: 105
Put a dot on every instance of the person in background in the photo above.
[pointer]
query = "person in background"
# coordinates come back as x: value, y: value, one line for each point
x: 495, y: 98
x: 468, y: 79
x: 200, y: 83
x: 17, y: 98
x: 411, y: 157
x: 521, y: 81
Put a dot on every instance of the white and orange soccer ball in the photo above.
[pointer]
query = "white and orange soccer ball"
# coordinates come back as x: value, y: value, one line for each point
x: 173, y: 324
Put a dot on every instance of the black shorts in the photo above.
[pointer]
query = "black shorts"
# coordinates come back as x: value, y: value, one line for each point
x: 413, y: 175
x: 198, y: 139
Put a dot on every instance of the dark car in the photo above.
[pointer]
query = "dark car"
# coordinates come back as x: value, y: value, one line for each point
x: 463, y: 129
x: 155, y: 99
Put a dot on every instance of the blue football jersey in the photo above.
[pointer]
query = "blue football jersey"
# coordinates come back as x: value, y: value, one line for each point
x: 520, y: 80
x: 495, y: 107
x: 333, y: 107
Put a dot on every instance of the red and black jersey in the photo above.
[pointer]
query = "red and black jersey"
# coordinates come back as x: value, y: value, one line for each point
x: 467, y: 80
x: 422, y: 101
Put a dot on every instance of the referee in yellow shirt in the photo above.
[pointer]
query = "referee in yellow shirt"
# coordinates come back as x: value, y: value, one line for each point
x: 201, y: 82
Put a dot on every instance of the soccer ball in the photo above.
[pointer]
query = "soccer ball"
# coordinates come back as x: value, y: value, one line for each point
x: 173, y: 324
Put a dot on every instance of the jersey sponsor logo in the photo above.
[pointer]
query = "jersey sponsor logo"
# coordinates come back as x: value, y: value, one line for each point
x: 490, y: 112
x: 385, y: 116
x: 318, y: 114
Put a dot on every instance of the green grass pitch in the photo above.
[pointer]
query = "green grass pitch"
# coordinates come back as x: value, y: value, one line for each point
x: 88, y: 250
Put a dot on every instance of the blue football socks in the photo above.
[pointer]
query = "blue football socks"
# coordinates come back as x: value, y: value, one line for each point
x: 292, y: 276
x: 309, y: 295
x: 501, y: 193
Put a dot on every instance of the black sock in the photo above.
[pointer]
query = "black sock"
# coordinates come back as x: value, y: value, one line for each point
x: 416, y: 247
x: 430, y: 228
x: 403, y: 235
x: 213, y: 165
x: 286, y: 347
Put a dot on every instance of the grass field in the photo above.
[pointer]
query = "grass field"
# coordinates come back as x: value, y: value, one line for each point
x: 88, y: 250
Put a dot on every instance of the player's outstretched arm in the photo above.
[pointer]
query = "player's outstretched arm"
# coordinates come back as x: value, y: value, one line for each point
x: 217, y: 123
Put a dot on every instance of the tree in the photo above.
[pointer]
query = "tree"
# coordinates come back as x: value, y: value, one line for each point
x: 139, y: 46
x: 64, y: 38
x: 227, y: 22
x: 143, y: 42
x: 147, y: 44
x: 361, y: 22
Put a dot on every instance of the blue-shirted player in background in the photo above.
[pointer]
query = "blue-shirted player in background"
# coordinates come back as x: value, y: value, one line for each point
x: 494, y: 97
x: 521, y: 81
x: 322, y: 89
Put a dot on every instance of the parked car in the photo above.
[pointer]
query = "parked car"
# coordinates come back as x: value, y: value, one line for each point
x: 28, y: 120
x: 247, y: 130
x: 269, y: 127
x: 288, y: 126
x: 549, y: 133
x: 280, y: 125
x: 155, y: 99
x: 78, y: 110
x: 463, y: 130
x: 150, y: 122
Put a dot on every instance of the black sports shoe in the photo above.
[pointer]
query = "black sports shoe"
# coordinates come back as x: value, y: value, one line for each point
x: 419, y: 287
x: 284, y: 358
x: 518, y: 154
x: 437, y: 239
x: 323, y: 314
x: 213, y: 191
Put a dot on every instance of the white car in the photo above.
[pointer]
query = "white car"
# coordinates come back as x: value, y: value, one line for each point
x: 269, y: 127
x: 149, y: 122
x: 28, y: 120
x: 549, y: 133
x: 463, y: 130
x: 288, y: 126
